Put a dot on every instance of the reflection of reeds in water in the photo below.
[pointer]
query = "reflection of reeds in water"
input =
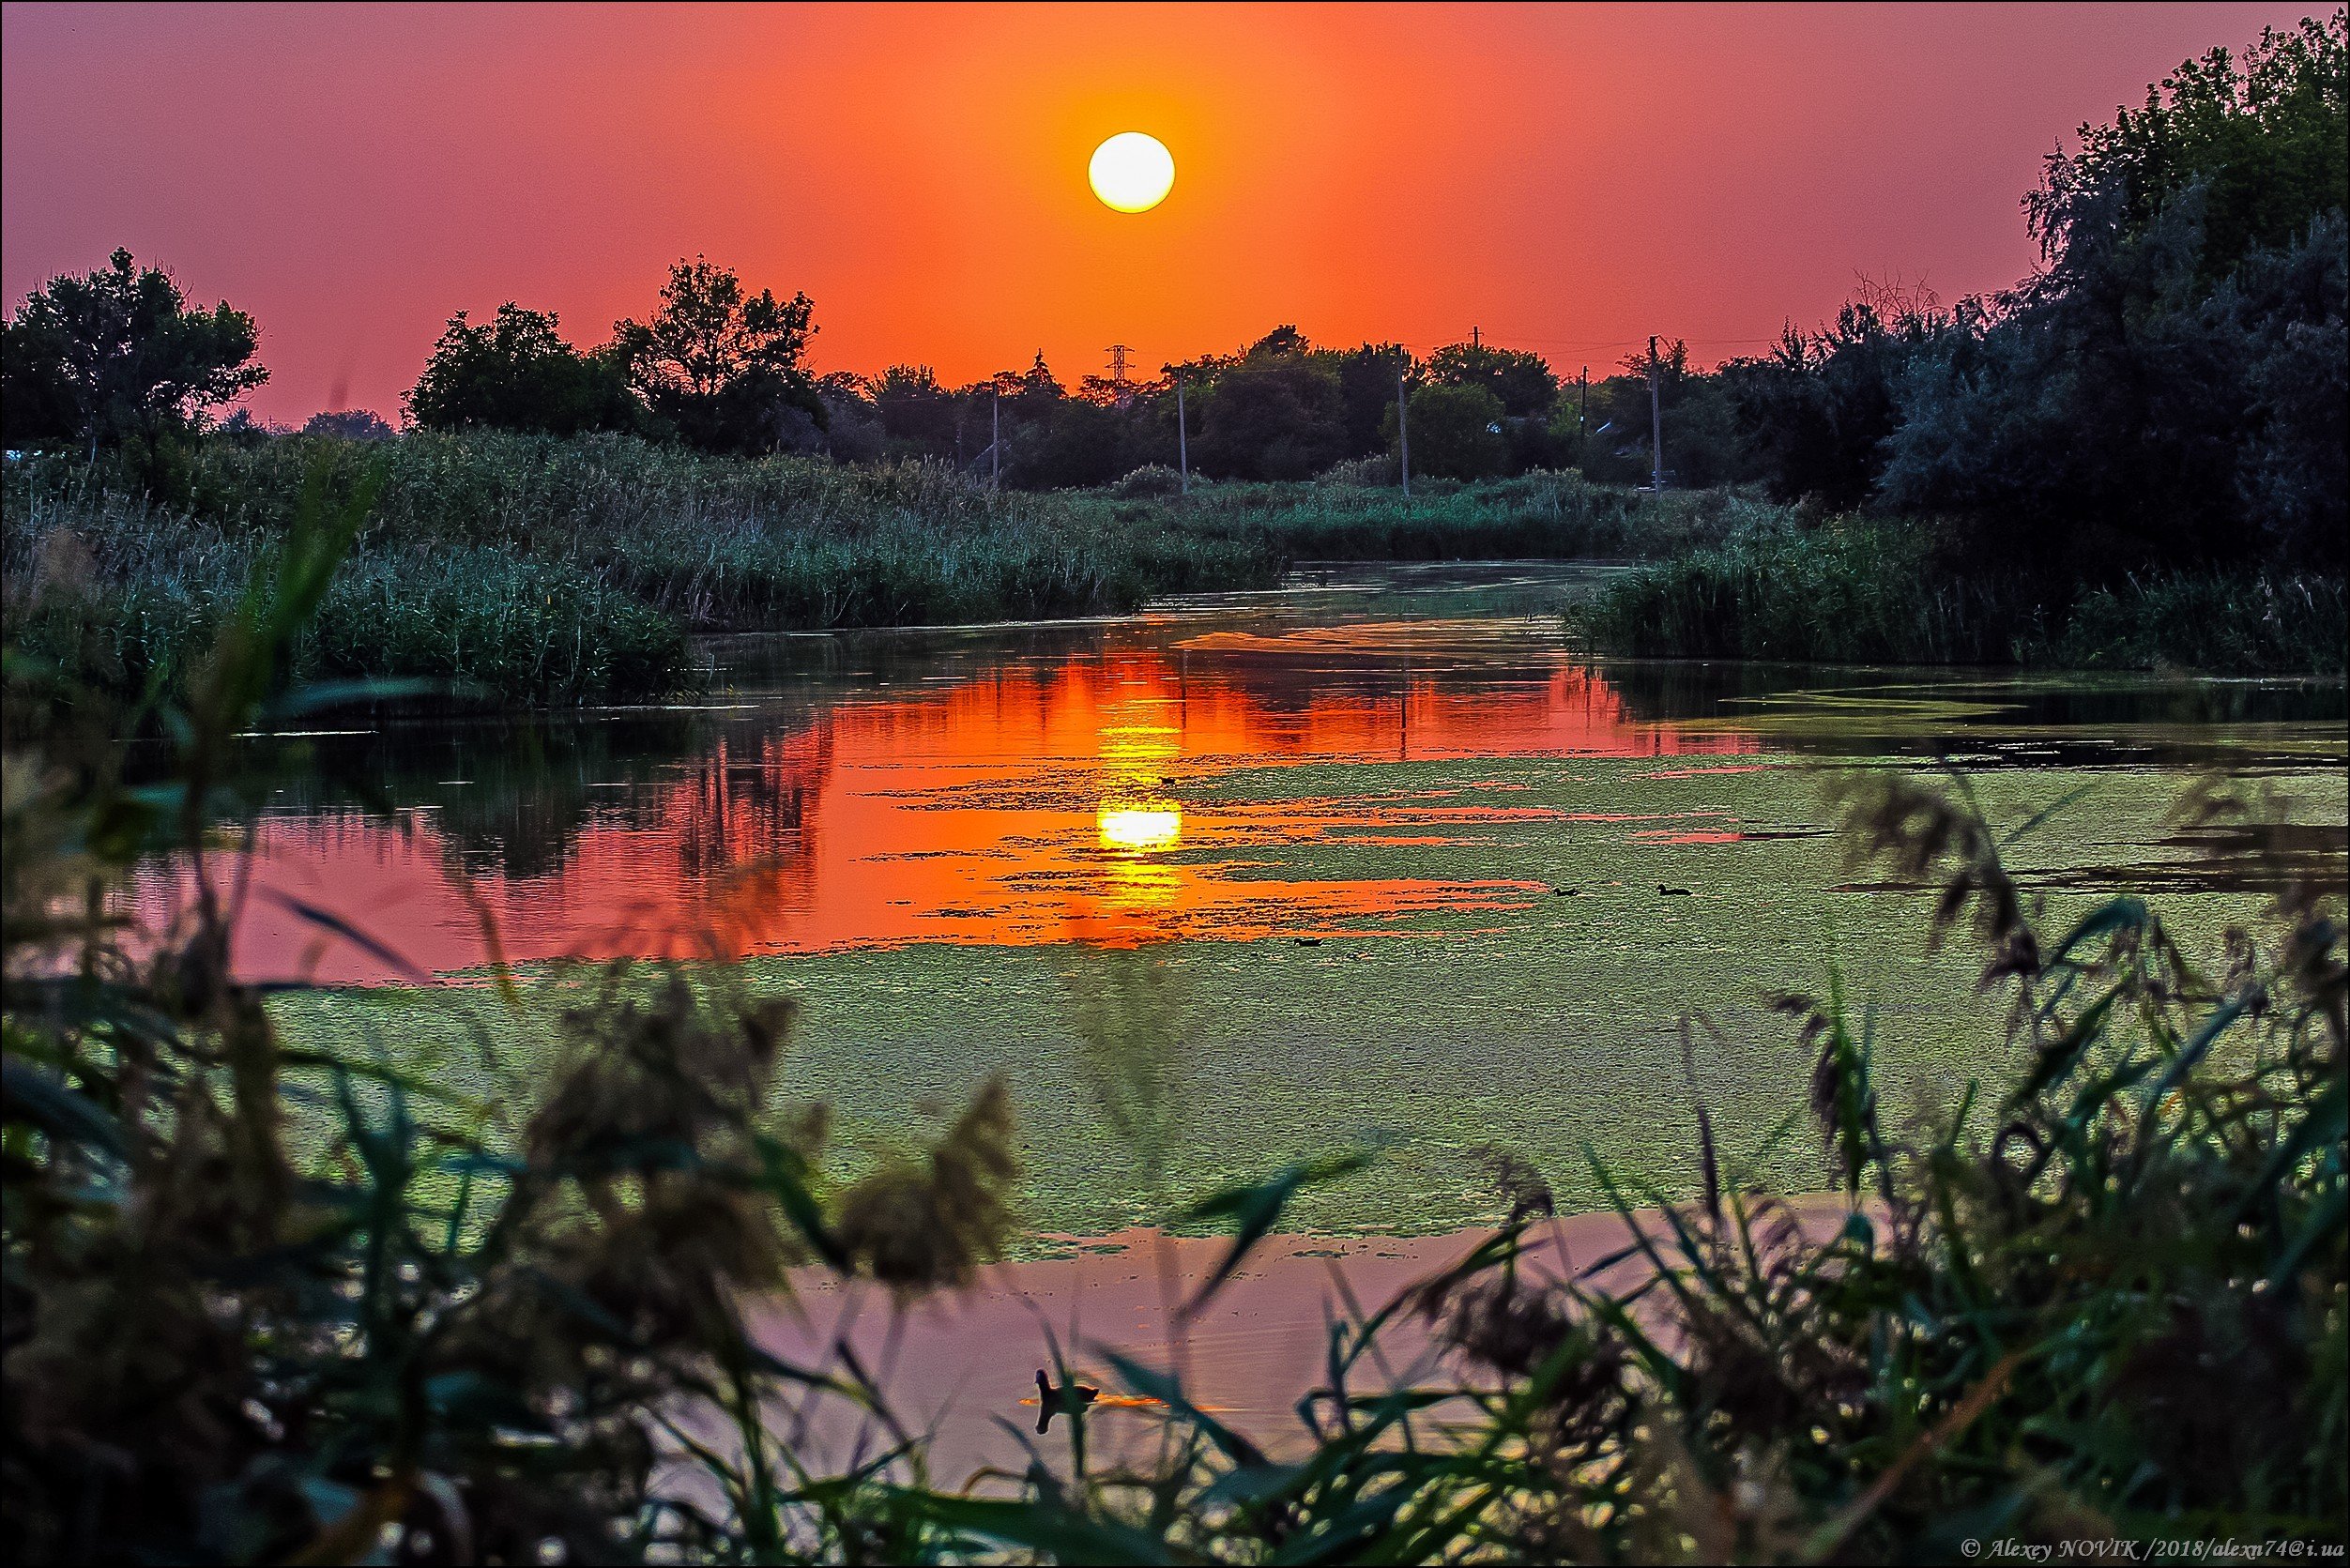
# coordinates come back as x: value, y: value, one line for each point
x: 1127, y: 1009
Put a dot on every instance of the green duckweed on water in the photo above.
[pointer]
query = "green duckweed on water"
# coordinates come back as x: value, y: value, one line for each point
x: 1550, y: 1029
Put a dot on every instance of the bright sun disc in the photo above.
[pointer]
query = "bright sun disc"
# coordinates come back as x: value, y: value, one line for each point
x: 1132, y: 171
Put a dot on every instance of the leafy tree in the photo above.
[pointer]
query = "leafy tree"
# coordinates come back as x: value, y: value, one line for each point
x: 351, y: 424
x: 2149, y: 399
x: 1078, y: 443
x: 240, y: 428
x: 1522, y: 381
x: 1456, y: 433
x: 516, y: 373
x: 2133, y: 406
x: 1273, y: 415
x: 852, y: 425
x: 2259, y: 145
x: 1816, y: 412
x: 723, y: 365
x: 1284, y: 339
x: 916, y: 412
x: 1368, y: 378
x: 2289, y: 309
x: 1032, y: 393
x: 117, y: 354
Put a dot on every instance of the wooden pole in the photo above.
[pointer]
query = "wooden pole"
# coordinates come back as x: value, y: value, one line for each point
x: 1582, y: 417
x: 995, y: 446
x: 1182, y: 437
x: 1403, y: 435
x: 1655, y: 426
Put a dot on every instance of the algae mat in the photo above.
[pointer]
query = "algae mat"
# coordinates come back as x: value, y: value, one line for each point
x: 1543, y: 1019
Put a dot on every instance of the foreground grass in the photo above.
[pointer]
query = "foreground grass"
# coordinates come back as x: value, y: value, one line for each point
x: 1858, y: 591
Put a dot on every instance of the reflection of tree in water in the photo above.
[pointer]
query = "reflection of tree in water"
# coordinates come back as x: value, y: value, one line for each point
x: 1864, y: 710
x: 739, y: 805
x: 1660, y: 691
x: 513, y: 799
x: 528, y: 799
x: 511, y: 796
x: 1126, y: 1005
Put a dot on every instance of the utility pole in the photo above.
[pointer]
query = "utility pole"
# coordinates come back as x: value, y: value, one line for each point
x: 1582, y: 415
x: 995, y: 446
x: 1182, y: 437
x: 1403, y: 437
x: 1655, y: 425
x: 1118, y: 371
x: 1475, y: 339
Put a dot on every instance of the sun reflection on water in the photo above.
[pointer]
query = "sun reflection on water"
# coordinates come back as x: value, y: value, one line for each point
x: 1074, y: 799
x: 1136, y: 818
x: 1152, y: 825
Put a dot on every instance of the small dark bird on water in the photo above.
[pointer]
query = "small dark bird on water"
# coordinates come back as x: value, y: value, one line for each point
x: 1672, y: 893
x: 1309, y: 941
x: 1566, y: 892
x: 1051, y: 1401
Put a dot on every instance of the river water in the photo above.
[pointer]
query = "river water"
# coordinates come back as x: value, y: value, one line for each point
x: 1380, y: 855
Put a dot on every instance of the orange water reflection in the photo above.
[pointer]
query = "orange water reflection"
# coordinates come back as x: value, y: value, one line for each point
x: 1071, y: 799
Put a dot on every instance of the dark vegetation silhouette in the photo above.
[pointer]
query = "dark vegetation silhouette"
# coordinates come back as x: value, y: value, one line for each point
x: 349, y: 424
x: 117, y: 358
x: 516, y: 373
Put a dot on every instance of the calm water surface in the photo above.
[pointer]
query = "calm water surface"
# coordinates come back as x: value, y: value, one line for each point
x: 1166, y: 775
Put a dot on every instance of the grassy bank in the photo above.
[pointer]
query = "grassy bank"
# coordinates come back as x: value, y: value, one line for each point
x: 553, y: 571
x: 1853, y: 591
x: 560, y: 571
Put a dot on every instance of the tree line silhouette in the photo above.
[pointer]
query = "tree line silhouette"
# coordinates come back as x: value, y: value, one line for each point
x: 2167, y: 389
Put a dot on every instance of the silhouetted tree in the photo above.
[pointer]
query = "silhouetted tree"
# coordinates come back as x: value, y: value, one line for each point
x: 1520, y: 380
x: 117, y: 354
x: 723, y: 365
x: 2258, y: 144
x: 1456, y: 433
x: 852, y: 424
x: 1079, y: 442
x: 1032, y: 393
x: 1816, y: 412
x: 351, y: 424
x: 516, y: 373
x: 1367, y: 379
x: 917, y: 413
x: 2148, y: 398
x: 1271, y: 418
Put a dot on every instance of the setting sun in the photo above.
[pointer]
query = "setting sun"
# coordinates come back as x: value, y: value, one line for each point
x: 1132, y: 171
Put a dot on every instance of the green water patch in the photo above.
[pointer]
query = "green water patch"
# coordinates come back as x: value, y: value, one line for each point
x: 1550, y: 1030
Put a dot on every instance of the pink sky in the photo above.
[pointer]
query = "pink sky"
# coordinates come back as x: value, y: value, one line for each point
x: 1568, y: 179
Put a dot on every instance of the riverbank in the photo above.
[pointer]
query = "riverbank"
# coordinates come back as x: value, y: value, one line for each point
x: 530, y: 572
x: 1855, y: 590
x: 548, y: 571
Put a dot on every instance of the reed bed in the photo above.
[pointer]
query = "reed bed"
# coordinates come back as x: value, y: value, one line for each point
x: 1871, y: 591
x: 540, y: 569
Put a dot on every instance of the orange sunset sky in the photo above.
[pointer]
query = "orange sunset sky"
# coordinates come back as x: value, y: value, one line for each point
x: 1568, y: 179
